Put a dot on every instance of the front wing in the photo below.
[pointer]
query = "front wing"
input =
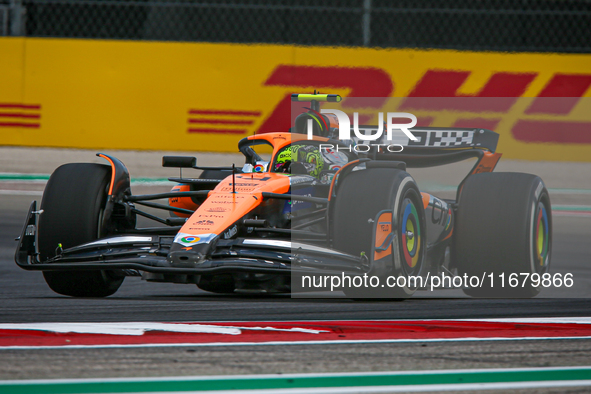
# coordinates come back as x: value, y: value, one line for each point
x: 151, y: 253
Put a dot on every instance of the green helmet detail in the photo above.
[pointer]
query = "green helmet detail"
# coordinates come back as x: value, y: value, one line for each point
x: 306, y: 154
x: 314, y: 157
x: 287, y: 153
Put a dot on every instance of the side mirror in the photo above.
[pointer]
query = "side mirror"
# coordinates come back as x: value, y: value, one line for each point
x: 179, y: 161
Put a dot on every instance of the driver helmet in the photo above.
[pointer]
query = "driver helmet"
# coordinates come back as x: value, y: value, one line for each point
x: 307, y: 155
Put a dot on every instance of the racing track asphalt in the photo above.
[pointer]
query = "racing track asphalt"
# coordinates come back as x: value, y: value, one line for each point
x: 24, y: 296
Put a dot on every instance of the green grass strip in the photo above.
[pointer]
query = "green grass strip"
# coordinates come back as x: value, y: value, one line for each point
x: 151, y: 181
x: 579, y: 208
x: 569, y: 191
x: 23, y: 177
x: 300, y: 381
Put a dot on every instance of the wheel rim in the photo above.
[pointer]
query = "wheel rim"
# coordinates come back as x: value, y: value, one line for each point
x: 541, y: 235
x: 411, y: 234
x: 410, y: 240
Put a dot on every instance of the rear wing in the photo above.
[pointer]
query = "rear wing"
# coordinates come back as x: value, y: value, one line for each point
x: 435, y: 146
x: 437, y: 137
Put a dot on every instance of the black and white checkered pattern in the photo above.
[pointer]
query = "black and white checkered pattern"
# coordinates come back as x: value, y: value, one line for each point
x: 431, y: 138
x: 451, y: 138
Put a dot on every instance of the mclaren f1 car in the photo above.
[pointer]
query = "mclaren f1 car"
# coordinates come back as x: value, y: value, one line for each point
x: 314, y: 206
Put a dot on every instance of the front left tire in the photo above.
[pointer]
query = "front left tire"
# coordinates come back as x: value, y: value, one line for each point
x: 73, y: 204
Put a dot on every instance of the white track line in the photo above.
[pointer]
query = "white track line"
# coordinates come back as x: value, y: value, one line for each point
x: 398, y: 389
x: 140, y: 328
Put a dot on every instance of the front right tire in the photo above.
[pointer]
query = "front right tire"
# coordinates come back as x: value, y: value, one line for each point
x: 381, y: 197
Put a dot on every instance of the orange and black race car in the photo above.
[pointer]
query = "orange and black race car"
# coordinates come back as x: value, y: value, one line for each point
x: 311, y: 205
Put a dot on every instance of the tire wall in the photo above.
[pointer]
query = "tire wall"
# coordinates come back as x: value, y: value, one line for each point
x: 163, y: 96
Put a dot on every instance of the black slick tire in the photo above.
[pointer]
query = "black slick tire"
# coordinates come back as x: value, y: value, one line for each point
x: 362, y: 200
x: 73, y: 202
x: 503, y: 227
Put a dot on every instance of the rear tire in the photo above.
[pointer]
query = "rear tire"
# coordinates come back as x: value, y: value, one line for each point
x: 73, y: 203
x: 504, y: 225
x: 360, y: 201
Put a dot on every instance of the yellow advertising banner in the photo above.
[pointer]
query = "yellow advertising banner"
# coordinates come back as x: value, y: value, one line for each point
x: 205, y: 97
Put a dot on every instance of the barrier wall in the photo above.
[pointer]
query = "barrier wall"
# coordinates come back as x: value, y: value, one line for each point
x: 205, y: 97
